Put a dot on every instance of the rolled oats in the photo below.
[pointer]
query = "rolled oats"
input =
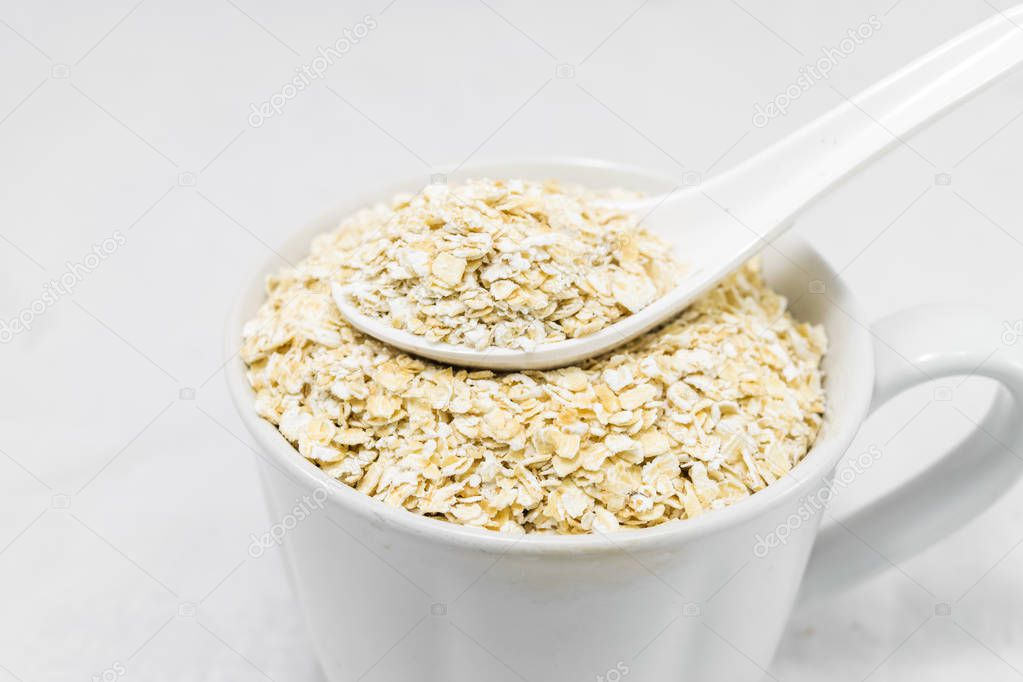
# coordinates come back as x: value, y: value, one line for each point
x: 691, y: 417
x: 510, y: 264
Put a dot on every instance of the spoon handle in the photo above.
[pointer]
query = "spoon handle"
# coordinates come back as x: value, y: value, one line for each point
x: 767, y: 191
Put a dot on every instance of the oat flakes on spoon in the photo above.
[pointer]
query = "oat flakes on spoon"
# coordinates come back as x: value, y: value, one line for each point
x: 507, y: 264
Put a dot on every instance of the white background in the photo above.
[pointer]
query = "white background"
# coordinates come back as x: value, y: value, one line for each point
x: 125, y: 508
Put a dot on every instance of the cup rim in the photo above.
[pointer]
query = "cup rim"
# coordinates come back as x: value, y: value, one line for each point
x: 286, y: 460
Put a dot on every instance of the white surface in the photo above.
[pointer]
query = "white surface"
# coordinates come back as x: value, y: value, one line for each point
x: 161, y: 491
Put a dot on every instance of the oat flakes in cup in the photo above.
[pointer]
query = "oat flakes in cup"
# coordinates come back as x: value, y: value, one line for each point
x: 649, y: 513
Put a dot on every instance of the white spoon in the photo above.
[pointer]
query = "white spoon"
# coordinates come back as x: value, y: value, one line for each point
x: 720, y: 224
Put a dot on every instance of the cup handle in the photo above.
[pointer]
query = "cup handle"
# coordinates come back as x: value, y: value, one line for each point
x: 912, y: 347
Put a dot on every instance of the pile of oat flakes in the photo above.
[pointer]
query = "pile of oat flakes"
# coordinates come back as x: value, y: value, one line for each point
x: 691, y: 417
x: 509, y: 264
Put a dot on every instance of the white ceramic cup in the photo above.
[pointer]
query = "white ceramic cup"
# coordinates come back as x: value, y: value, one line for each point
x: 393, y: 596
